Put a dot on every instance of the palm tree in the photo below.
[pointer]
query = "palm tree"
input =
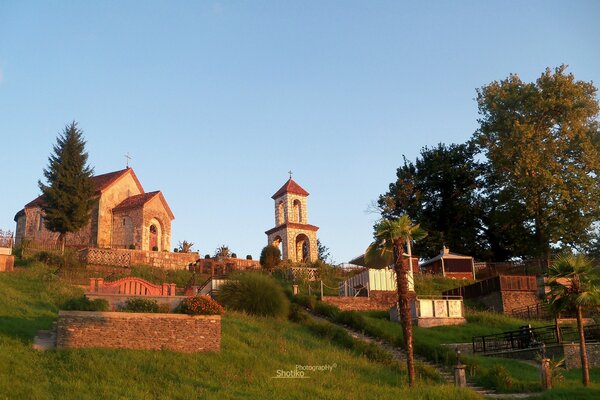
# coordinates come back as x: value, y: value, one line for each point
x: 388, y: 248
x: 574, y: 282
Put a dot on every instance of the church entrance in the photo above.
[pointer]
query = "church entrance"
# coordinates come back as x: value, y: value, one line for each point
x: 153, y: 238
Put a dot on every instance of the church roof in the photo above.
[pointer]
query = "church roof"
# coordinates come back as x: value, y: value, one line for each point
x: 290, y: 187
x: 294, y: 225
x: 140, y: 199
x: 100, y: 184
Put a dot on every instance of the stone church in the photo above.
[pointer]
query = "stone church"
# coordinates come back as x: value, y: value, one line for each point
x: 123, y: 215
x: 294, y: 236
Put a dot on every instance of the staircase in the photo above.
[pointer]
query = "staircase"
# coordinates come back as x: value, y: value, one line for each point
x: 45, y: 339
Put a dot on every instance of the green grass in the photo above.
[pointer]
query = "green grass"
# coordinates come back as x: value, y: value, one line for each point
x: 429, y: 285
x: 253, y: 350
x: 485, y: 371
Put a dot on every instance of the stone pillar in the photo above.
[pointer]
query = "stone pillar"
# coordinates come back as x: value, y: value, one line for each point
x: 546, y: 374
x: 460, y: 377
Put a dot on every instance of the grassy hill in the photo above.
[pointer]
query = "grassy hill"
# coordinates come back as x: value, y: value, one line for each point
x: 253, y: 350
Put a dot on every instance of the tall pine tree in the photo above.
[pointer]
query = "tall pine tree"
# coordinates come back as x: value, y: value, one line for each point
x: 69, y: 186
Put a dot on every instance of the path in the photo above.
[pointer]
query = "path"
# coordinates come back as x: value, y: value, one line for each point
x: 443, y: 371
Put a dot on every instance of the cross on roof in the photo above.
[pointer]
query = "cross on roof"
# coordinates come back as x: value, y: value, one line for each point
x: 290, y: 172
x: 127, y: 158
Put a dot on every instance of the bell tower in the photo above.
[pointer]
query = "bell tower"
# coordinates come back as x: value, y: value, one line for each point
x: 294, y: 236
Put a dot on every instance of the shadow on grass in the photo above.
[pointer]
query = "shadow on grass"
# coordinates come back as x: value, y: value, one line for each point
x: 24, y: 329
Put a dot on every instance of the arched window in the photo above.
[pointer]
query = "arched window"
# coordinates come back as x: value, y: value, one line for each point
x: 297, y: 208
x: 280, y: 211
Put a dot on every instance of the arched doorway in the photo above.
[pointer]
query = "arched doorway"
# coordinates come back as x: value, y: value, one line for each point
x: 302, y: 248
x: 153, y: 238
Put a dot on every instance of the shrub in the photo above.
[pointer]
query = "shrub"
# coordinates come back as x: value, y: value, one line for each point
x: 233, y: 255
x: 270, y: 257
x: 207, y: 257
x: 84, y: 304
x: 141, y: 305
x: 306, y: 300
x: 499, y: 378
x: 248, y: 257
x: 255, y: 294
x: 200, y: 305
x: 49, y: 258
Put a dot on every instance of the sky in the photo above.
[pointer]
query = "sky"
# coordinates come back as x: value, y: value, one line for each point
x: 216, y: 101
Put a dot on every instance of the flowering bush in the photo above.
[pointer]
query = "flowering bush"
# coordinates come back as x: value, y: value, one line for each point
x: 201, y: 305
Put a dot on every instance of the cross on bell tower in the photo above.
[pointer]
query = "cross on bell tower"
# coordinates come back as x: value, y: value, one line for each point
x: 296, y: 238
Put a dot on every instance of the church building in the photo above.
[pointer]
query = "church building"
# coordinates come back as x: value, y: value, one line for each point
x: 123, y: 215
x: 295, y: 237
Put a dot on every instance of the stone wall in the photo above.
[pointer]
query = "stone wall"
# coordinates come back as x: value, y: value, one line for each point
x: 507, y: 300
x: 7, y: 263
x: 127, y: 258
x: 512, y: 299
x: 573, y: 359
x: 124, y: 187
x: 378, y: 301
x: 143, y: 331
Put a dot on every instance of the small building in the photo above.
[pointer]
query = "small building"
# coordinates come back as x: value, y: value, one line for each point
x: 430, y: 311
x: 450, y: 265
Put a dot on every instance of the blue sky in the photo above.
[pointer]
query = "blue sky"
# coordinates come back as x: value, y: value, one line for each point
x: 216, y: 101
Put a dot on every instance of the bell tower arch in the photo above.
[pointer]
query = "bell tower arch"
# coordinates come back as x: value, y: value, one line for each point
x: 292, y: 232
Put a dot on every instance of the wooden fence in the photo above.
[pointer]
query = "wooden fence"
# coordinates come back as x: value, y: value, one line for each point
x: 131, y: 286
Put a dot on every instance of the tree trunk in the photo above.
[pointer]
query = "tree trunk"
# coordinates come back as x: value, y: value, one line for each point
x: 401, y: 268
x: 585, y: 368
x: 62, y: 237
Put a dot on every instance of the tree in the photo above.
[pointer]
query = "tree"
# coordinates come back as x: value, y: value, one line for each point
x: 574, y: 282
x: 541, y: 141
x: 441, y: 191
x: 223, y: 252
x: 323, y: 251
x: 270, y: 257
x: 69, y: 189
x: 185, y: 247
x: 390, y: 237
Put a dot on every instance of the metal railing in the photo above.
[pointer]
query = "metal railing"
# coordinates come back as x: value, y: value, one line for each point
x: 527, y: 338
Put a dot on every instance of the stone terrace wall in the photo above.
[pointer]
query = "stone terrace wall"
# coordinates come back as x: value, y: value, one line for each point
x: 144, y: 331
x: 377, y: 301
x: 127, y: 258
x: 512, y: 299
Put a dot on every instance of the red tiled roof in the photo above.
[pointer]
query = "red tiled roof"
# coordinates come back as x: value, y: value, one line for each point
x: 103, y: 181
x: 294, y: 225
x: 99, y: 182
x: 290, y: 187
x: 135, y: 201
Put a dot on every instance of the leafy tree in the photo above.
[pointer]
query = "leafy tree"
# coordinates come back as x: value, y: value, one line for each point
x: 67, y: 194
x: 185, y: 246
x: 323, y: 251
x: 390, y: 237
x: 541, y: 141
x: 574, y: 282
x: 270, y: 257
x: 223, y: 252
x: 441, y: 191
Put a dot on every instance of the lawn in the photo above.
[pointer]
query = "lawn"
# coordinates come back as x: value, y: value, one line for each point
x: 504, y: 375
x: 253, y: 351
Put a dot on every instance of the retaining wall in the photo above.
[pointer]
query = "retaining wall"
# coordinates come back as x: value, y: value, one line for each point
x: 145, y: 331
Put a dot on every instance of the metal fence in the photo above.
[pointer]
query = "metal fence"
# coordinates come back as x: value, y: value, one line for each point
x: 527, y: 338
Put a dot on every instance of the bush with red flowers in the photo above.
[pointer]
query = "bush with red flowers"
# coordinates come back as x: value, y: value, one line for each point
x: 200, y: 305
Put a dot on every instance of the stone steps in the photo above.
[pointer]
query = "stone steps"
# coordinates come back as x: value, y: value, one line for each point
x: 45, y: 340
